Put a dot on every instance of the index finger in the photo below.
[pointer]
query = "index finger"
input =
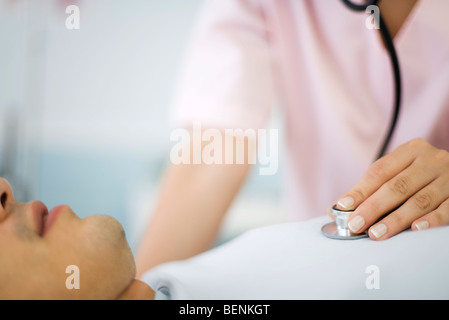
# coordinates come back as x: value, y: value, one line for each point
x: 377, y: 174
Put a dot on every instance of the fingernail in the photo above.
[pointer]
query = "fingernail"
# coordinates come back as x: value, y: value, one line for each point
x: 379, y: 230
x: 346, y: 203
x: 356, y: 223
x: 422, y: 225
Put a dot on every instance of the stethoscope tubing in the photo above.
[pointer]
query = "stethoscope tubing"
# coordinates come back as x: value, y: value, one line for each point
x: 389, y: 44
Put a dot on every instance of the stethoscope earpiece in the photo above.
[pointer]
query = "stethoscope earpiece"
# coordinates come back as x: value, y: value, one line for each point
x: 339, y: 229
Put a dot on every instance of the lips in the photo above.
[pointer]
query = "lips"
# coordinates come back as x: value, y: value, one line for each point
x: 43, y: 219
x: 52, y: 217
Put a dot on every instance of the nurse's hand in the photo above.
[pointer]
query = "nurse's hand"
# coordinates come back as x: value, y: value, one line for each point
x: 407, y: 188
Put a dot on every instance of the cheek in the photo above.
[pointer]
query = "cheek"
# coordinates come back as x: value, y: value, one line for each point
x: 26, y: 270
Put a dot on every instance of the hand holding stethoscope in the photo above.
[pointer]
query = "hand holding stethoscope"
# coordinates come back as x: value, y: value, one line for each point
x: 408, y: 187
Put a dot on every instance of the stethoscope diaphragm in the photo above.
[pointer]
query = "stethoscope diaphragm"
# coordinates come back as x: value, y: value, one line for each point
x: 339, y: 228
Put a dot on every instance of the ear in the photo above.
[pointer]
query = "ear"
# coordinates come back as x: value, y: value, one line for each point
x: 137, y: 290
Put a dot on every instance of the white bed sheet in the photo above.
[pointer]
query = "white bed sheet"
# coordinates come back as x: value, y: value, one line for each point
x: 295, y: 261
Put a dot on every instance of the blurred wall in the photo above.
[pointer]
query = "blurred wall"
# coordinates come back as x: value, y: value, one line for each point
x: 91, y: 105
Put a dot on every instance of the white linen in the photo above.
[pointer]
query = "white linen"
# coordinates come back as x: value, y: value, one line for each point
x: 295, y: 261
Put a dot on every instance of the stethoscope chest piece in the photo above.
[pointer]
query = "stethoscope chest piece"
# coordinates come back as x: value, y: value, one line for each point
x: 339, y: 229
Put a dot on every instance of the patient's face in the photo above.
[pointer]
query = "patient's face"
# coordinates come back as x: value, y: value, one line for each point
x: 36, y: 249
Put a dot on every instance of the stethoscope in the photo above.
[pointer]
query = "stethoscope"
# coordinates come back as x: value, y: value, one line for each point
x: 339, y: 229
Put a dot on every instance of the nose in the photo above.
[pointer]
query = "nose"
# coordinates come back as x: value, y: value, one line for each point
x: 6, y: 198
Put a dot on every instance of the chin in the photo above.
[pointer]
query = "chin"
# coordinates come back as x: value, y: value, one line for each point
x: 110, y: 253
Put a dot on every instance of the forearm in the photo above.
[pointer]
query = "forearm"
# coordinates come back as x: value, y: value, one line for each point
x: 187, y: 218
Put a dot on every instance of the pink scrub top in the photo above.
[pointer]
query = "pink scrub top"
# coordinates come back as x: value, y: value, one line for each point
x: 332, y: 78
